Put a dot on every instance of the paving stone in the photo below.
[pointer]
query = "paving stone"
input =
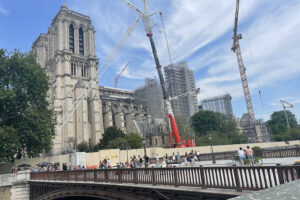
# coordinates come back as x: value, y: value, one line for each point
x: 285, y: 191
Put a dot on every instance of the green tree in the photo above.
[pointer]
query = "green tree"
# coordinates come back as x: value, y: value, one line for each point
x: 134, y: 140
x: 278, y: 126
x: 118, y: 143
x: 110, y: 134
x: 223, y: 129
x: 205, y: 121
x: 8, y: 143
x: 24, y: 113
x: 85, y: 147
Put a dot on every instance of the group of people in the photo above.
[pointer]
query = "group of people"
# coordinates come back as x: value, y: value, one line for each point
x: 133, y: 162
x: 243, y: 154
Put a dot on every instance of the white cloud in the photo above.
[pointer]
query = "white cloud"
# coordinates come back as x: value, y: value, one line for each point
x: 200, y: 32
x: 3, y: 11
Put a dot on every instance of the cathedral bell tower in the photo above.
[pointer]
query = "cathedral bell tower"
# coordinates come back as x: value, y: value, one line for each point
x: 67, y: 52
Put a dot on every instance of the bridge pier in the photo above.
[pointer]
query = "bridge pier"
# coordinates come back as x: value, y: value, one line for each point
x: 15, y: 186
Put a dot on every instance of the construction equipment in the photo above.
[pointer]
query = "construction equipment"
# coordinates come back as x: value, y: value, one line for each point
x: 286, y: 105
x: 93, y: 81
x: 173, y: 127
x: 166, y: 38
x: 117, y: 78
x: 197, y: 91
x: 236, y: 48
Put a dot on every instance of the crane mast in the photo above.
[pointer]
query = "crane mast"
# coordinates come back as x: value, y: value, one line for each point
x: 242, y: 69
x: 146, y: 20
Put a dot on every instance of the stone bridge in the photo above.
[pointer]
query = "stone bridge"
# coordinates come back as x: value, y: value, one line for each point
x: 152, y: 183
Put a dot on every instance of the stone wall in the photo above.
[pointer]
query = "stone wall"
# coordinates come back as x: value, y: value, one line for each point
x: 14, y: 186
x: 5, y: 193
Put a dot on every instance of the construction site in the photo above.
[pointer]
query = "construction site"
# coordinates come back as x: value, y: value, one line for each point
x: 83, y: 109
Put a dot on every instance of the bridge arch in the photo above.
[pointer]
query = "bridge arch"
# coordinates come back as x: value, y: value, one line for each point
x: 93, y: 194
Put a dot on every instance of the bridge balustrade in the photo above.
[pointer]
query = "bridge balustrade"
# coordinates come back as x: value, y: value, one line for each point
x: 239, y: 178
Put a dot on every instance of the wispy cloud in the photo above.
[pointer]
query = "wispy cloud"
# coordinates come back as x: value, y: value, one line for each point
x: 200, y: 32
x: 3, y: 10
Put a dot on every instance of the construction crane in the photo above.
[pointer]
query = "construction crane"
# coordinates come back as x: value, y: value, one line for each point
x: 166, y: 38
x: 286, y: 105
x: 236, y: 48
x: 93, y: 81
x: 196, y: 92
x: 172, y: 123
x: 117, y: 78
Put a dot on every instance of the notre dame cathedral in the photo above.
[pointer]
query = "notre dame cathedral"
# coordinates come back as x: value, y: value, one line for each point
x: 67, y: 52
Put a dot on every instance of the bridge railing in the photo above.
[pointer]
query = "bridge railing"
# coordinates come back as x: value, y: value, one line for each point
x: 239, y: 178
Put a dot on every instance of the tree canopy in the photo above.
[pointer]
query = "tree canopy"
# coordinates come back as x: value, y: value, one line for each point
x: 110, y: 134
x: 134, y: 140
x: 277, y: 125
x: 223, y: 129
x: 114, y: 138
x: 85, y: 147
x: 26, y: 125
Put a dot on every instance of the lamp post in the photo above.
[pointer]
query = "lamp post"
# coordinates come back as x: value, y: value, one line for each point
x: 212, y: 151
x: 144, y: 144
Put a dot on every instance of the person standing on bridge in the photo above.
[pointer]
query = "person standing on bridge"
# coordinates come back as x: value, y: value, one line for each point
x: 178, y: 157
x: 109, y: 163
x: 198, y: 155
x: 241, y: 155
x: 249, y: 154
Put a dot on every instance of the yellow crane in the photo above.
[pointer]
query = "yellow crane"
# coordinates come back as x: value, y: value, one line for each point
x: 237, y: 50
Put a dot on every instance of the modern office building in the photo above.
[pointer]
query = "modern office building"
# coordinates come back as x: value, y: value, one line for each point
x: 221, y: 104
x: 180, y: 80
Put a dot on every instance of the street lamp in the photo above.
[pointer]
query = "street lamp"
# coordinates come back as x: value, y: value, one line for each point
x: 144, y: 144
x: 212, y: 151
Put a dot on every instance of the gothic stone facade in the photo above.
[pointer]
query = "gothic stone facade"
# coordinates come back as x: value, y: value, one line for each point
x: 67, y: 52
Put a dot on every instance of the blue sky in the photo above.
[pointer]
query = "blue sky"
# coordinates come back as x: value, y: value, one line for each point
x: 199, y: 32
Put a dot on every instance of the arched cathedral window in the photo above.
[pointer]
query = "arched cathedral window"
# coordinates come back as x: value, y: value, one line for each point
x: 84, y: 71
x: 81, y: 45
x: 73, y: 69
x: 71, y: 38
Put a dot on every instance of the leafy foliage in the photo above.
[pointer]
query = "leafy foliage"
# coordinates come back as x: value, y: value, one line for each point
x: 134, y: 140
x: 114, y: 138
x: 257, y: 151
x: 110, y: 134
x: 184, y: 127
x: 24, y: 114
x: 8, y: 144
x: 85, y: 147
x: 278, y: 126
x: 223, y: 129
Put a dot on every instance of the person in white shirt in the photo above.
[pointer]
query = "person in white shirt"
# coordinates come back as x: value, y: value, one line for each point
x: 198, y: 155
x: 109, y: 163
x: 241, y: 155
x: 164, y: 164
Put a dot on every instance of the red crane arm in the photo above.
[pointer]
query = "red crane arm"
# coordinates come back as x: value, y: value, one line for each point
x: 174, y: 129
x: 116, y: 79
